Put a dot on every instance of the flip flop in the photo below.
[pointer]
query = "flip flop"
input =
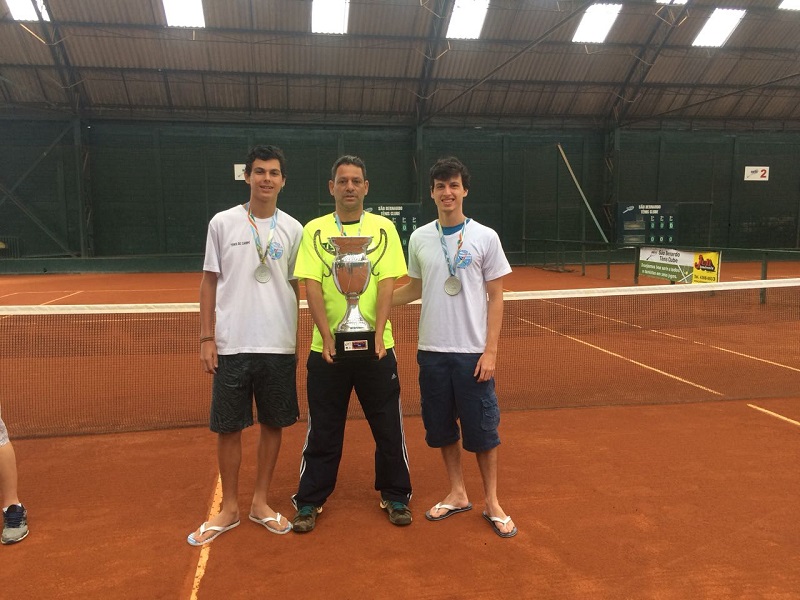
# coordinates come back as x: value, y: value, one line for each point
x: 218, y: 531
x: 502, y: 534
x: 267, y: 520
x: 451, y: 510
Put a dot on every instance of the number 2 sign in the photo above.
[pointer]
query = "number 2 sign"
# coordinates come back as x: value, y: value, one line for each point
x: 756, y: 173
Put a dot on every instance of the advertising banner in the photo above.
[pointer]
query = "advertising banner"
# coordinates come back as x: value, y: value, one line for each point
x: 680, y: 266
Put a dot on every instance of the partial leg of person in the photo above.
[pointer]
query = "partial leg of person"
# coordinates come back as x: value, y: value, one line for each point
x: 276, y: 400
x: 329, y: 387
x: 457, y: 499
x: 479, y: 414
x: 440, y: 418
x: 378, y: 389
x: 8, y: 474
x: 261, y: 512
x: 15, y: 516
x: 487, y: 463
x: 231, y: 412
x: 229, y: 457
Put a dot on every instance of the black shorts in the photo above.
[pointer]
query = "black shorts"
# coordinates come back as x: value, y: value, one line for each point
x: 270, y: 379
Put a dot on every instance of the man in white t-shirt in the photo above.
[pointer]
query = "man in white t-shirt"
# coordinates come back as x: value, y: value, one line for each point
x: 456, y: 266
x: 249, y: 286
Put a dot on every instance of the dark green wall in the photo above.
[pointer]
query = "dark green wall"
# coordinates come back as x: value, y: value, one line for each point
x: 151, y: 188
x: 704, y: 174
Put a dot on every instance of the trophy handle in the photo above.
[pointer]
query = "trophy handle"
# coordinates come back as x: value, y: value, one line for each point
x: 382, y: 239
x: 318, y: 236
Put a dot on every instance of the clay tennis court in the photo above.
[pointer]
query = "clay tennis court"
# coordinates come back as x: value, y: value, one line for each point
x: 669, y: 501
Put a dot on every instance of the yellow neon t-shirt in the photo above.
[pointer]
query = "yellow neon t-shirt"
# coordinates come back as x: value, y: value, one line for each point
x: 315, y: 264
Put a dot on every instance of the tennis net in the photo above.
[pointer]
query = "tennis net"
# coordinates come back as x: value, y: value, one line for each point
x: 111, y: 368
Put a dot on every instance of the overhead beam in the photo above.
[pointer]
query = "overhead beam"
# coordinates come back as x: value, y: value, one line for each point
x: 643, y: 62
x: 434, y: 49
x: 246, y: 78
x: 70, y: 82
x: 527, y: 48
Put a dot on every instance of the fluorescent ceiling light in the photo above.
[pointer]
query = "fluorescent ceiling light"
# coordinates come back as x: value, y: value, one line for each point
x: 719, y: 27
x: 330, y: 16
x: 673, y: 2
x: 184, y: 13
x: 790, y: 5
x: 467, y: 19
x: 596, y: 23
x: 22, y: 10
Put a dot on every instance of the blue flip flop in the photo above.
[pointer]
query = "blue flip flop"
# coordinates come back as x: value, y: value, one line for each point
x: 451, y: 510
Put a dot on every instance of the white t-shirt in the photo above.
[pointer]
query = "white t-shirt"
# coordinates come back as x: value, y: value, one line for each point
x: 253, y: 316
x: 455, y: 323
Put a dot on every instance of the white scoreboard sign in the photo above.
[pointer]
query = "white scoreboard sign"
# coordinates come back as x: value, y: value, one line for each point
x: 756, y: 173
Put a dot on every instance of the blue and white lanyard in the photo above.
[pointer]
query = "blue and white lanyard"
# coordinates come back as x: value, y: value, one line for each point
x: 262, y: 254
x: 451, y: 265
x: 340, y: 227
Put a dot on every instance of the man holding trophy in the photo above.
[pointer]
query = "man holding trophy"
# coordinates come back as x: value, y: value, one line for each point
x: 349, y: 261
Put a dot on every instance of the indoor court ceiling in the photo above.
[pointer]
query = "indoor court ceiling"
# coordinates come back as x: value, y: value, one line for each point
x: 256, y: 61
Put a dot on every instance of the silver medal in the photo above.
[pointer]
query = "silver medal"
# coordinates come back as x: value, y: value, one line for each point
x: 452, y: 285
x: 262, y: 274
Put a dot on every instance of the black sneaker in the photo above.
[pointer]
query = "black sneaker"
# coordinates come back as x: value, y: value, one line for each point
x: 15, y: 524
x: 305, y: 518
x: 399, y: 513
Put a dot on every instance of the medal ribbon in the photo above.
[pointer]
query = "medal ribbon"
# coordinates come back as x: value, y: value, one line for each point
x: 262, y: 253
x: 451, y: 266
x: 340, y: 227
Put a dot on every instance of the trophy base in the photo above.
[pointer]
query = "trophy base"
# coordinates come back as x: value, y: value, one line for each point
x: 352, y: 345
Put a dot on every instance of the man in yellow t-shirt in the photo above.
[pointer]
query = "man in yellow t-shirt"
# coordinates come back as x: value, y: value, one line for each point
x: 330, y: 383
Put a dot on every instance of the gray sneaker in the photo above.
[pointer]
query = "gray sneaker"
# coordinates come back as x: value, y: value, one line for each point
x: 399, y: 513
x: 305, y: 518
x: 15, y: 524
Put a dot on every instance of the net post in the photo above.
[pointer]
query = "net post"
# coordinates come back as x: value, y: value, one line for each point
x: 583, y: 258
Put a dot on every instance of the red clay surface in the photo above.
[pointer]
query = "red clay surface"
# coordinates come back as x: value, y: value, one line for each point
x: 142, y: 288
x: 669, y: 502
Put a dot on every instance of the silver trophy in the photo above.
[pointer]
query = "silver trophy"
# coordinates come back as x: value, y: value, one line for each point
x: 351, y: 270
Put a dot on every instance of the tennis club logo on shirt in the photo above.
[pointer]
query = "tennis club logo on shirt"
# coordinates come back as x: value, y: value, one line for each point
x: 275, y: 250
x: 463, y: 259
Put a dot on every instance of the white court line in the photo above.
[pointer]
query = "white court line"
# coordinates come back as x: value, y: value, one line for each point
x: 774, y: 414
x: 678, y: 337
x: 206, y: 550
x: 635, y: 362
x: 721, y: 349
x: 764, y: 360
x: 61, y: 298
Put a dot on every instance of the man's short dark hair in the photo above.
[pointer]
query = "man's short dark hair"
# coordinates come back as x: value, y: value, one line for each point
x: 265, y: 153
x: 349, y: 159
x: 445, y: 169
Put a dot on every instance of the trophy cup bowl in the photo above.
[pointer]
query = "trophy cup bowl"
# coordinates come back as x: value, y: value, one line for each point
x: 351, y: 268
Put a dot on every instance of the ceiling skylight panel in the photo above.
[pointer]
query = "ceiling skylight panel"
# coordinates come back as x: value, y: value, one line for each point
x: 184, y: 13
x: 596, y: 23
x: 330, y: 16
x: 467, y: 19
x: 22, y: 10
x: 790, y: 5
x: 719, y: 27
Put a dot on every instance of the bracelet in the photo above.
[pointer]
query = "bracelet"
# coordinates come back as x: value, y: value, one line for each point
x: 209, y: 338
